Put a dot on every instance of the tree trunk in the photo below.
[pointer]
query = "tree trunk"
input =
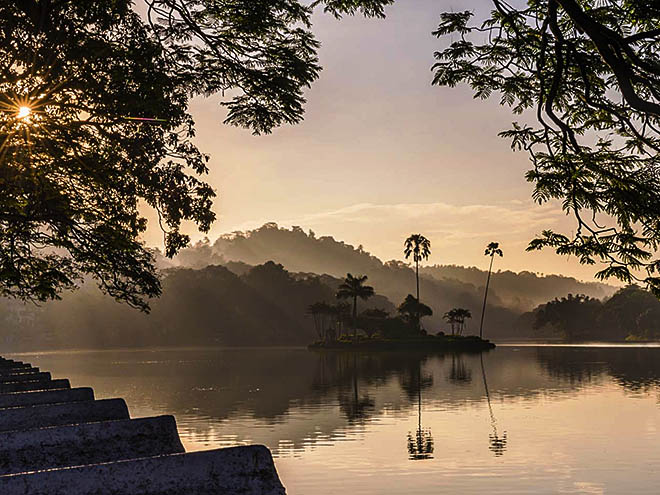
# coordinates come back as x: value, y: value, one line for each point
x: 483, y: 309
x: 417, y: 277
x: 355, y: 318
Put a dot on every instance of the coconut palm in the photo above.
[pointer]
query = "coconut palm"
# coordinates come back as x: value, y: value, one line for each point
x: 353, y: 287
x: 420, y: 248
x: 491, y: 250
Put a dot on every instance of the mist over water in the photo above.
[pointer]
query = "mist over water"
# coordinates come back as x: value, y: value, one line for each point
x: 518, y: 419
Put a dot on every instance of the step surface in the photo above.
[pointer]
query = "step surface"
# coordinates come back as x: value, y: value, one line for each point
x: 6, y: 388
x: 22, y: 399
x: 29, y: 377
x: 245, y: 470
x: 30, y: 417
x: 18, y: 371
x: 87, y: 443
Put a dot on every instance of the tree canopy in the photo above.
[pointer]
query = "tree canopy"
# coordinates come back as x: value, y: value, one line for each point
x: 589, y: 71
x: 94, y: 123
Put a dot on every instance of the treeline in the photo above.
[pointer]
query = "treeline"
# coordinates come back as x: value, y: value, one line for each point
x: 266, y: 305
x: 523, y: 290
x: 630, y: 314
x: 304, y: 252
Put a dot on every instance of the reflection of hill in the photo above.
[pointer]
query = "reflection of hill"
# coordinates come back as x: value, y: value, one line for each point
x: 634, y: 368
x: 264, y: 395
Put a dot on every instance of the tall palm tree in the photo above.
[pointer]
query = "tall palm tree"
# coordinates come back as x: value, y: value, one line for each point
x: 491, y: 250
x: 420, y: 248
x: 353, y: 287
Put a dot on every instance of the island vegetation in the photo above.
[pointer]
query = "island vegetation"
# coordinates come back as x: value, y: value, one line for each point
x: 403, y: 331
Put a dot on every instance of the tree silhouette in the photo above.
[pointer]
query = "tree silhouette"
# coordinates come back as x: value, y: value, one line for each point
x: 320, y: 312
x: 412, y: 310
x: 457, y: 316
x: 492, y: 249
x: 94, y: 122
x: 373, y: 320
x: 590, y: 72
x: 354, y: 288
x: 420, y: 248
x: 573, y: 316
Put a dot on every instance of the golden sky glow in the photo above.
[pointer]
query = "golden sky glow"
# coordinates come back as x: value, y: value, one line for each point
x: 382, y: 154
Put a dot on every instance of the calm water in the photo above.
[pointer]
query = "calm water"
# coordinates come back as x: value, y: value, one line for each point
x: 524, y: 419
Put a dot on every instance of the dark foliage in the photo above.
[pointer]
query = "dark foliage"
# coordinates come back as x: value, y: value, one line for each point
x: 590, y: 72
x: 94, y: 122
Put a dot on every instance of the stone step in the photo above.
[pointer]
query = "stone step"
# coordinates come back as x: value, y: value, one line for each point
x: 6, y: 388
x: 31, y: 417
x: 87, y: 443
x: 18, y: 371
x: 238, y: 470
x: 22, y: 399
x: 14, y: 365
x: 28, y: 377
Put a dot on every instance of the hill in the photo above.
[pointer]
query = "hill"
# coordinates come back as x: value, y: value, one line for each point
x: 442, y: 287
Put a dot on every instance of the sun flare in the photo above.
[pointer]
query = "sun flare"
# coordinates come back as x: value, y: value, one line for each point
x: 24, y: 112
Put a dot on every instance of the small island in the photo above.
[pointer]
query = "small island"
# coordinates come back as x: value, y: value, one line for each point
x: 404, y: 331
x: 470, y: 343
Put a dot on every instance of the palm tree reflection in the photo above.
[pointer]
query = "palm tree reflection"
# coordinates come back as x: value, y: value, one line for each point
x: 356, y: 408
x: 420, y: 445
x: 497, y: 443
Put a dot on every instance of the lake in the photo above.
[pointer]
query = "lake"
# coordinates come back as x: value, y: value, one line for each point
x: 517, y: 419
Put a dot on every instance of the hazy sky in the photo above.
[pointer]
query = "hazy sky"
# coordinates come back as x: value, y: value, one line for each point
x: 382, y: 154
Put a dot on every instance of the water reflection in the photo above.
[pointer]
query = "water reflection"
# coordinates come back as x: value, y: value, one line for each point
x: 420, y: 445
x: 373, y: 413
x: 497, y: 443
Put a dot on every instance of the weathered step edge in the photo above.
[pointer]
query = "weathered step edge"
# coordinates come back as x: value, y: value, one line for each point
x: 245, y: 470
x: 34, y: 398
x: 39, y: 416
x: 87, y: 443
x: 6, y: 388
x: 28, y: 377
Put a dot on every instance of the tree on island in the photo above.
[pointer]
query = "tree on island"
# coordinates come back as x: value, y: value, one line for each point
x: 354, y: 288
x: 320, y: 312
x: 411, y: 310
x: 372, y: 320
x: 457, y: 319
x: 420, y: 248
x: 492, y: 249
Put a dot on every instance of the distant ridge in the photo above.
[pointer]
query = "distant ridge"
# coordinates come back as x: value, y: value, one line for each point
x: 299, y: 251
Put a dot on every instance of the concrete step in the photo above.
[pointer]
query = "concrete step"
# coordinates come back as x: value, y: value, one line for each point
x: 31, y: 417
x: 22, y: 399
x: 18, y: 371
x: 87, y: 443
x: 14, y: 365
x: 6, y: 388
x: 29, y: 377
x: 238, y: 470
